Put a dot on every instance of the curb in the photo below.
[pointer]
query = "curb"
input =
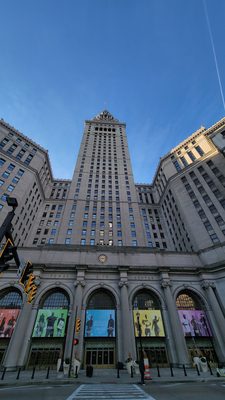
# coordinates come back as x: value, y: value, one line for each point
x: 93, y: 381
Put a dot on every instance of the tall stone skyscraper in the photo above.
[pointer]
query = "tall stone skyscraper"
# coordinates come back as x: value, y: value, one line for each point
x: 102, y: 193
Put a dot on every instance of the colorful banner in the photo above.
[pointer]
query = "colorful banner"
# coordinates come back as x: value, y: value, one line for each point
x: 100, y: 323
x: 8, y: 319
x: 194, y: 323
x: 148, y: 323
x: 50, y: 323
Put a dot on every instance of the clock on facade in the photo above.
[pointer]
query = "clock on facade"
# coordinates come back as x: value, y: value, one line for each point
x: 102, y: 258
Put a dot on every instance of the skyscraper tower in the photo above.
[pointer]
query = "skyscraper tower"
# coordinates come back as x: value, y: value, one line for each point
x: 102, y: 196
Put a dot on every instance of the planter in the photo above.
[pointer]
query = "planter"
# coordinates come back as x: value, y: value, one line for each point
x: 129, y: 364
x: 76, y: 364
x: 66, y: 368
x: 59, y: 362
x: 203, y: 363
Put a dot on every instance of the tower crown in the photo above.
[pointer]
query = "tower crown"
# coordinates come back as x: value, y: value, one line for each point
x: 105, y: 116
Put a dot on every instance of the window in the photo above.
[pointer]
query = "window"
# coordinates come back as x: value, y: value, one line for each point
x: 5, y: 174
x: 84, y: 232
x: 134, y: 243
x: 28, y: 159
x: 214, y: 238
x: 67, y: 240
x: 35, y: 240
x: 4, y: 196
x: 1, y: 182
x: 119, y: 233
x: 83, y: 242
x: 50, y: 241
x: 53, y: 232
x: 69, y: 231
x: 120, y: 243
x: 12, y: 148
x: 92, y: 242
x: 10, y: 188
x: 20, y: 172
x: 2, y: 162
x: 92, y: 232
x: 199, y: 150
x: 191, y: 155
x: 20, y: 154
x: 184, y: 161
x: 177, y: 165
x: 15, y: 179
x: 4, y: 142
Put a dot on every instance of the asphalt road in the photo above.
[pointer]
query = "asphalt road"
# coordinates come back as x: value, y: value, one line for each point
x: 187, y: 391
x: 157, y: 391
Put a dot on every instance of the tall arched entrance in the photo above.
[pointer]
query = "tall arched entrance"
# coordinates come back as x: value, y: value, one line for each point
x: 10, y: 305
x: 149, y: 329
x: 100, y: 330
x: 49, y: 331
x: 195, y: 325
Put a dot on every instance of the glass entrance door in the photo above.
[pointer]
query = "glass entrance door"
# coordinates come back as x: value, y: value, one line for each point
x: 100, y: 357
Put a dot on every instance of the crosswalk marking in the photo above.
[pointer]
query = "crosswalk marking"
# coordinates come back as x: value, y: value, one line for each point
x: 109, y: 391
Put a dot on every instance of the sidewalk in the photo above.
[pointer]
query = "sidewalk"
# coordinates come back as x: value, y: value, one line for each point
x: 105, y: 376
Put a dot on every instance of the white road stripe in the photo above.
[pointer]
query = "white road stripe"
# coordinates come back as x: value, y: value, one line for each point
x: 109, y: 391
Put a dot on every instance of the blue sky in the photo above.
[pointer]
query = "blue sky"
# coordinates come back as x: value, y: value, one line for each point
x: 149, y: 62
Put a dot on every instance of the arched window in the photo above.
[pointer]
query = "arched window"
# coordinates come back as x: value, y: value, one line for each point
x: 56, y: 299
x: 144, y: 300
x: 101, y: 300
x: 10, y: 299
x: 187, y: 300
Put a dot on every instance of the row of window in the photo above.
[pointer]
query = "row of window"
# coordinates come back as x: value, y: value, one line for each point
x: 20, y: 154
x: 183, y: 161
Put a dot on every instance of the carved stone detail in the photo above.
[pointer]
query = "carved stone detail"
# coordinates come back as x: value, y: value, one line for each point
x: 165, y: 283
x: 123, y: 283
x: 79, y: 282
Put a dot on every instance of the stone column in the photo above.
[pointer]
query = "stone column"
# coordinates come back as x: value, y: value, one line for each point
x: 218, y: 327
x: 176, y: 328
x: 19, y: 344
x: 127, y: 334
x: 75, y: 312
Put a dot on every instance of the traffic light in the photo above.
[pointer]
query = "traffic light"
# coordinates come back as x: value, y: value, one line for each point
x: 78, y: 323
x: 29, y: 283
x: 32, y: 293
x: 28, y: 269
x: 7, y: 254
x: 75, y: 342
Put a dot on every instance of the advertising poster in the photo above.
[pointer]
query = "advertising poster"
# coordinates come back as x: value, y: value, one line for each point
x: 194, y: 323
x: 100, y: 323
x: 50, y: 323
x: 150, y: 323
x: 8, y: 319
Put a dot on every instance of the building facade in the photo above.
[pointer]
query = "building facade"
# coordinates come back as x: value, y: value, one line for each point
x: 119, y: 266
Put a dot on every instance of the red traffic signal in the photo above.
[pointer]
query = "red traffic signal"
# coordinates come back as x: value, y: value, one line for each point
x: 75, y: 342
